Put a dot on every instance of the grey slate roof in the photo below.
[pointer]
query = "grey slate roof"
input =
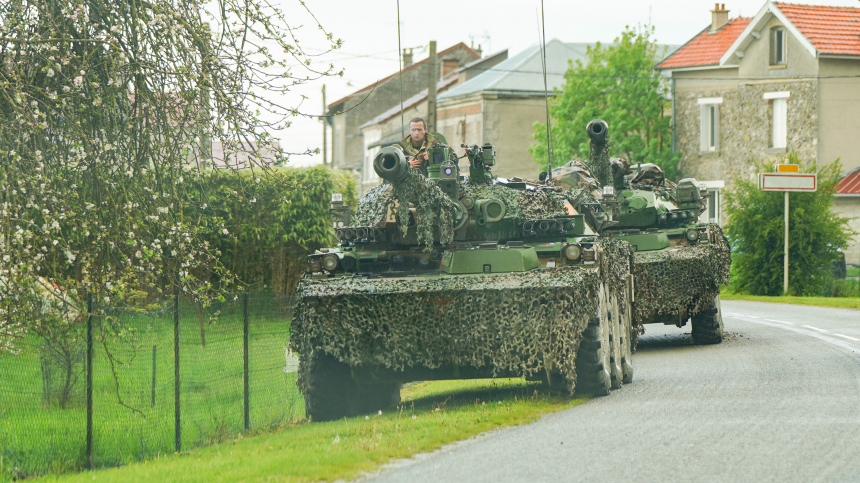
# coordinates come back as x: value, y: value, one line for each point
x: 523, y: 73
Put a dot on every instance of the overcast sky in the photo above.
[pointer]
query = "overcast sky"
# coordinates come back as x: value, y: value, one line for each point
x: 369, y: 32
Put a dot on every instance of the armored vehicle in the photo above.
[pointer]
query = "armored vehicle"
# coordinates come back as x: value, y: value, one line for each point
x: 679, y: 263
x: 451, y: 276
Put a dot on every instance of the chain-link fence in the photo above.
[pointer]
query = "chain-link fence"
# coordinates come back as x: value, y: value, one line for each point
x: 234, y: 375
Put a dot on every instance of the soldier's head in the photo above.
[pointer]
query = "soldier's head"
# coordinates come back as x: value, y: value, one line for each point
x: 417, y: 130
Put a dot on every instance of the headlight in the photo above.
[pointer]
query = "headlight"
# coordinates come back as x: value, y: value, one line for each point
x: 330, y: 262
x: 673, y: 216
x: 692, y: 234
x: 572, y: 251
x: 662, y: 216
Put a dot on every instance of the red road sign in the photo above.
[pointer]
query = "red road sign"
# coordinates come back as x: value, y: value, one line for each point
x: 787, y: 181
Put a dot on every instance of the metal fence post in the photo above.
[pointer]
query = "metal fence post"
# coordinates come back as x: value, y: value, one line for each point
x: 176, y: 381
x: 247, y: 385
x: 89, y: 461
x: 154, y: 348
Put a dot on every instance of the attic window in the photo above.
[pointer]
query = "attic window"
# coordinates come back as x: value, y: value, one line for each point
x: 777, y: 46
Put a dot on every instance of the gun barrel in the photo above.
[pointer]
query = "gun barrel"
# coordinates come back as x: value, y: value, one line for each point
x: 597, y: 130
x: 391, y: 165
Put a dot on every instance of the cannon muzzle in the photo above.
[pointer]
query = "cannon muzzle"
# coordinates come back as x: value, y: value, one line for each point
x: 597, y: 130
x: 391, y: 165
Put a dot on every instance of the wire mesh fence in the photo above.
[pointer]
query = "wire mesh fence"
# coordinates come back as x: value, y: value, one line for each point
x: 234, y: 376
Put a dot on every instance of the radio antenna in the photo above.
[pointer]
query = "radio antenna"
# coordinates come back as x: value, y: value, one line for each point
x: 542, y: 42
x: 400, y: 67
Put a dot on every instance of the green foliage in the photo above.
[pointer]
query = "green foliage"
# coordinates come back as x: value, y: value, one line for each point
x: 756, y: 229
x: 107, y: 110
x: 285, y: 217
x: 619, y: 86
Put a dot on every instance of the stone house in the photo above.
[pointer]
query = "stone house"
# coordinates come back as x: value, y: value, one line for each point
x: 750, y: 88
x: 356, y: 109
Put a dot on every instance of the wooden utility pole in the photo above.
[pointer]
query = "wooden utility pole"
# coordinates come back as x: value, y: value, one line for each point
x: 325, y: 134
x: 432, y: 79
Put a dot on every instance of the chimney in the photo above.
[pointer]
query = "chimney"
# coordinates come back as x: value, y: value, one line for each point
x: 719, y: 17
x: 478, y: 51
x: 407, y: 58
x: 448, y: 66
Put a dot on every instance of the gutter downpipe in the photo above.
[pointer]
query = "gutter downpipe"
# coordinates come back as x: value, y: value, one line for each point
x: 673, y: 113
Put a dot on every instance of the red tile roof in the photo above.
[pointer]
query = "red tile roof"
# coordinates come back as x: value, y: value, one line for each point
x: 850, y: 184
x: 405, y: 70
x: 832, y: 30
x: 706, y: 48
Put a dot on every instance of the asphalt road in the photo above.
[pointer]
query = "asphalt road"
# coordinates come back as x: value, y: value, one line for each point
x: 778, y: 400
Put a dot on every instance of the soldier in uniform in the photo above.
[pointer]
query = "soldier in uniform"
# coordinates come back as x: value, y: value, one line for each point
x: 416, y: 143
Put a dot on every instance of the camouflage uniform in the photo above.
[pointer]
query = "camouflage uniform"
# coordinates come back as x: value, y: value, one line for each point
x: 406, y: 144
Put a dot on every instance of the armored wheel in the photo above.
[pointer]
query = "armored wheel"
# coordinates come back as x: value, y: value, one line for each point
x: 592, y: 359
x: 331, y: 393
x: 708, y: 324
x: 616, y: 331
x: 328, y: 387
x: 627, y: 341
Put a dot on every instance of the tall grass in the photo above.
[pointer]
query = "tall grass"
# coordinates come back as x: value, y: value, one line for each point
x: 37, y: 436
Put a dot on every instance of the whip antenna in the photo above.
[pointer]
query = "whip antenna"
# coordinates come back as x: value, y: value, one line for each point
x: 400, y: 67
x: 542, y: 42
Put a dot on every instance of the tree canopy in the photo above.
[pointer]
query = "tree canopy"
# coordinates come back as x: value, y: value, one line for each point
x: 619, y: 86
x: 107, y: 110
x: 756, y: 229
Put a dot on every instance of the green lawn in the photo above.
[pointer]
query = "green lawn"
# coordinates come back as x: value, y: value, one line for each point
x: 37, y: 436
x: 431, y: 415
x: 843, y: 302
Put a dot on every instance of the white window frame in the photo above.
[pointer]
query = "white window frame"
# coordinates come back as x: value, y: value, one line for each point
x: 779, y: 118
x: 777, y: 46
x: 709, y: 124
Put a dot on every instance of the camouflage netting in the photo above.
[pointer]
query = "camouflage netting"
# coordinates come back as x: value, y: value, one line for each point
x: 516, y: 323
x: 433, y: 207
x: 682, y: 279
x: 521, y: 204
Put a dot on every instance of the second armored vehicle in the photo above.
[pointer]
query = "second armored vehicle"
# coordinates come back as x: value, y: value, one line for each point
x: 679, y: 262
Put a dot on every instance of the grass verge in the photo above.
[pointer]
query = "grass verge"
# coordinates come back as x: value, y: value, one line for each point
x: 432, y: 414
x: 841, y: 302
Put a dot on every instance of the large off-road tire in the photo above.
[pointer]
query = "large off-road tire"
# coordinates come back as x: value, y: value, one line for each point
x: 616, y: 329
x: 331, y: 392
x: 328, y: 388
x: 708, y: 324
x: 627, y: 340
x: 592, y: 359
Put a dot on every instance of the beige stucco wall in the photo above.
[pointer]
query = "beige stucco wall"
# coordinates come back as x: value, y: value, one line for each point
x: 508, y: 127
x: 799, y: 62
x: 839, y: 122
x: 849, y: 206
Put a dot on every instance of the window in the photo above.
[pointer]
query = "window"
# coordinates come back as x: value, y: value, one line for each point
x: 777, y: 46
x: 779, y: 118
x: 709, y: 124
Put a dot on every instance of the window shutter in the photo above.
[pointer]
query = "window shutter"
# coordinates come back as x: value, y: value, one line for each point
x: 704, y: 130
x: 716, y: 127
x: 779, y: 123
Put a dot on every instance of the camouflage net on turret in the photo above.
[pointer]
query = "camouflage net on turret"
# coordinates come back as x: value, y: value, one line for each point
x: 515, y: 324
x: 680, y: 280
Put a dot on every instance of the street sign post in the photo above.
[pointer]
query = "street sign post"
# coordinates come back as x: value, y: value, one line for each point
x: 787, y: 179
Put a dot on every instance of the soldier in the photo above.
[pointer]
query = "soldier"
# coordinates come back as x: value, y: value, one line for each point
x: 416, y: 143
